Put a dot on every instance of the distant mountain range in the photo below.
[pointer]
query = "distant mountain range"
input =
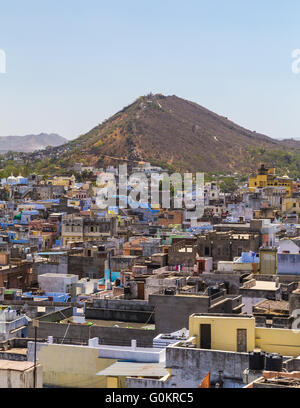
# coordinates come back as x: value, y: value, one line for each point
x: 29, y: 143
x: 181, y: 135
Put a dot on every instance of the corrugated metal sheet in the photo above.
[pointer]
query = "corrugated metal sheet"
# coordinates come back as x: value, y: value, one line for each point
x: 135, y: 370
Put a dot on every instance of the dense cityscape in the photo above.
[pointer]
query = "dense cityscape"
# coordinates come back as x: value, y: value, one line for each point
x: 149, y: 200
x: 142, y: 297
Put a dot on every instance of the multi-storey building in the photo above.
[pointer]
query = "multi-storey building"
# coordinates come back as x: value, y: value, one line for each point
x: 83, y: 229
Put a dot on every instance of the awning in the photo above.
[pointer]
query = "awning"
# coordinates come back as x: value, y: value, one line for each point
x: 128, y: 369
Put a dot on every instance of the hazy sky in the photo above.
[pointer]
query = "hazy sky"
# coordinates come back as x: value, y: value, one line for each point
x: 73, y: 63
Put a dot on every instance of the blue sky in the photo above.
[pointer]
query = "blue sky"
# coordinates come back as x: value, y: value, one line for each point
x: 71, y: 63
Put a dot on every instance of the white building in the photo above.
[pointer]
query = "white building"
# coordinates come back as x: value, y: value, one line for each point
x: 58, y: 282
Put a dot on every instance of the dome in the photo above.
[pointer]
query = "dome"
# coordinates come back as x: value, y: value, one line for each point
x: 11, y: 178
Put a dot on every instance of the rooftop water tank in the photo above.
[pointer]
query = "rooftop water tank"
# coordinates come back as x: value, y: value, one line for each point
x: 256, y: 360
x: 274, y: 362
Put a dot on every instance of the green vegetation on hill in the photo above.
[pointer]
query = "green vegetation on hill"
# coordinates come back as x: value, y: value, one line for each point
x: 173, y: 133
x: 285, y: 162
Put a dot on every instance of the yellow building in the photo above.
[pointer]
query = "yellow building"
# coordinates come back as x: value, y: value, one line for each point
x: 62, y: 181
x: 73, y: 366
x: 238, y: 333
x: 223, y: 332
x: 290, y: 205
x: 268, y: 261
x: 267, y: 178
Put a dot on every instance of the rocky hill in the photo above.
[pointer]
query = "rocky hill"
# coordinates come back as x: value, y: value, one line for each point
x: 179, y: 134
x: 173, y: 133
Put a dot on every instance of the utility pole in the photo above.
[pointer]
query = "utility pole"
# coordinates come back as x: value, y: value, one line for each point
x: 35, y: 324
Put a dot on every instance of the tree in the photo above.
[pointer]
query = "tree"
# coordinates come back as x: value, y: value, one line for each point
x: 228, y: 185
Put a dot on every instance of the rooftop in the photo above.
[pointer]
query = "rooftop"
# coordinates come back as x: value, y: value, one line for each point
x: 112, y: 323
x: 129, y: 369
x: 274, y: 305
x: 15, y: 365
x: 264, y: 285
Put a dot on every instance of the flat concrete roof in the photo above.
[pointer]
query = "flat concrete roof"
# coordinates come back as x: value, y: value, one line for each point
x: 15, y: 365
x: 135, y: 370
x: 228, y: 224
x: 57, y: 275
x: 265, y: 285
x: 273, y: 305
x: 112, y: 323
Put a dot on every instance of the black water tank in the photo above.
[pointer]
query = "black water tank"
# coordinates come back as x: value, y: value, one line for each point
x: 274, y: 362
x: 211, y: 290
x: 256, y: 360
x: 169, y: 292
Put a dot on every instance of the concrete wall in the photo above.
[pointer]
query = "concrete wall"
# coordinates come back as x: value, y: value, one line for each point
x: 231, y: 280
x: 107, y: 335
x: 58, y: 315
x: 87, y: 266
x: 172, y: 312
x: 72, y: 366
x: 249, y: 302
x: 137, y: 316
x: 282, y: 278
x: 133, y: 382
x: 51, y: 267
x: 121, y: 304
x: 288, y: 264
x: 261, y: 293
x: 123, y: 310
x: 271, y: 340
x: 294, y: 302
x: 224, y: 331
x: 58, y: 283
x: 283, y: 341
x: 20, y: 378
x: 225, y: 266
x: 190, y: 365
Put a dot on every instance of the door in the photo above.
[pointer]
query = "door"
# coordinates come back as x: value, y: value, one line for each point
x: 205, y: 336
x: 141, y: 290
x: 241, y: 340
